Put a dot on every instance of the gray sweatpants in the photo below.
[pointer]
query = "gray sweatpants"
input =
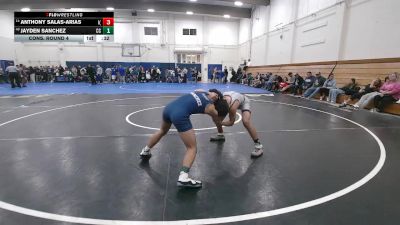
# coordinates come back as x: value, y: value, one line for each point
x: 366, y: 99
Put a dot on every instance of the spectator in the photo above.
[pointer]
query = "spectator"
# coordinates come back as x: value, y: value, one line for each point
x: 12, y: 72
x: 214, y: 74
x: 349, y: 89
x: 3, y: 78
x: 328, y: 85
x: 114, y: 74
x: 99, y: 74
x: 108, y: 72
x: 308, y: 81
x: 148, y: 76
x: 318, y: 83
x: 389, y: 93
x: 298, y: 84
x: 32, y: 75
x: 225, y: 78
x: 91, y: 73
x: 289, y: 83
x: 158, y: 75
x: 22, y: 75
x: 271, y: 81
x: 122, y: 73
x: 373, y: 87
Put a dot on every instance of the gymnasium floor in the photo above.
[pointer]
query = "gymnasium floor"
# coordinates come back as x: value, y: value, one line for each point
x: 69, y: 155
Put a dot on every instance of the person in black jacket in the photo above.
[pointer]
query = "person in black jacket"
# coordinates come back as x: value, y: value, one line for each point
x: 91, y: 74
x: 297, y: 85
x: 225, y: 78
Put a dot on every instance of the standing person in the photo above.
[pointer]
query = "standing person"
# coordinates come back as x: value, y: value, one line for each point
x: 3, y: 78
x: 148, y: 76
x: 225, y: 78
x: 389, y: 93
x: 108, y: 74
x: 122, y: 73
x: 32, y: 75
x: 99, y: 74
x: 214, y: 74
x: 74, y: 72
x: 234, y: 76
x: 185, y: 75
x: 178, y: 113
x: 23, y: 75
x: 114, y: 74
x: 237, y: 101
x: 91, y: 73
x: 12, y: 72
x: 158, y: 73
x: 83, y: 74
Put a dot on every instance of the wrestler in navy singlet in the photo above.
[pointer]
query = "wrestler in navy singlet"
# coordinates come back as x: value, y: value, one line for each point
x: 178, y: 112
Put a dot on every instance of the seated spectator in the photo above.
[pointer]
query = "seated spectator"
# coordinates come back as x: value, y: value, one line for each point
x: 328, y: 85
x: 290, y: 82
x: 318, y: 83
x: 389, y: 93
x: 366, y: 99
x: 249, y: 79
x: 271, y: 81
x: 308, y: 81
x: 348, y: 89
x: 257, y: 83
x: 373, y: 87
x: 298, y: 84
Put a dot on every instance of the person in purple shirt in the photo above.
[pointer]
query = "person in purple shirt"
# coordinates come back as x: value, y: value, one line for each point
x: 389, y: 93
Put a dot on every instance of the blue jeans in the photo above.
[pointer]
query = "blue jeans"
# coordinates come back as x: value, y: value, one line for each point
x: 333, y: 93
x: 311, y: 92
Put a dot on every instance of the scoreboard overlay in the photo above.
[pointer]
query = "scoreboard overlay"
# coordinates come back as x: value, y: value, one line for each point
x: 64, y: 26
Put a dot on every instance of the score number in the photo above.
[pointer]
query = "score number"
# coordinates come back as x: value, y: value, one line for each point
x: 108, y: 26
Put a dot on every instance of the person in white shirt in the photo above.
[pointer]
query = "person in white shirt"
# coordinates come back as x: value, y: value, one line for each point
x: 99, y: 74
x: 108, y: 73
x: 12, y: 72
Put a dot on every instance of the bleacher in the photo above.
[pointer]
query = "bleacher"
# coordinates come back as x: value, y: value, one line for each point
x: 364, y: 71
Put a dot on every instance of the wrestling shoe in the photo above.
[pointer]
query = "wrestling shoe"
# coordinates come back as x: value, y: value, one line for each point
x: 258, y: 150
x: 145, y: 154
x: 218, y: 137
x: 185, y: 181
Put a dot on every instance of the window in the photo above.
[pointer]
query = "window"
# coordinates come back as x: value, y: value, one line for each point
x: 151, y: 31
x: 189, y: 31
x: 188, y: 58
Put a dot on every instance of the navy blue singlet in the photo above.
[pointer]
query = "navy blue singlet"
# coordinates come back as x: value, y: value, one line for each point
x: 178, y: 112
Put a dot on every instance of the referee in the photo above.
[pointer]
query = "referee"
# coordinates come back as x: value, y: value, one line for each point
x: 12, y: 72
